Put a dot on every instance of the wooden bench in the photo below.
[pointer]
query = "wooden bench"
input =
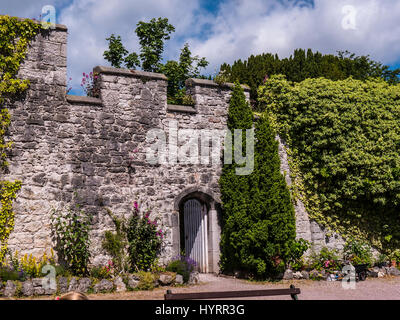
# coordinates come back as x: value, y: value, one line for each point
x: 292, y: 291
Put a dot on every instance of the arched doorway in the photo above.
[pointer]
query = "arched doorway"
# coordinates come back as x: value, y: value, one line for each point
x: 194, y: 232
x: 197, y: 231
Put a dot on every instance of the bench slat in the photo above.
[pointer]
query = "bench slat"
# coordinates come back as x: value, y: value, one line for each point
x: 231, y: 294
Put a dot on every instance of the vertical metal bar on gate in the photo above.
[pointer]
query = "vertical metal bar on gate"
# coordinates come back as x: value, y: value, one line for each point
x: 195, y: 224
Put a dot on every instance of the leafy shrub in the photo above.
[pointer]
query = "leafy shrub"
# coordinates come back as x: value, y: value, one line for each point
x: 9, y: 273
x: 116, y: 243
x: 349, y: 175
x: 182, y: 265
x: 357, y: 252
x: 395, y: 255
x: 30, y: 266
x: 102, y: 272
x: 71, y: 230
x: 144, y: 240
x: 297, y: 250
x: 146, y: 280
x: 327, y: 259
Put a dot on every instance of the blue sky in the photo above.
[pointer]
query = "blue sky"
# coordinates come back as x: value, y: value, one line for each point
x: 225, y: 30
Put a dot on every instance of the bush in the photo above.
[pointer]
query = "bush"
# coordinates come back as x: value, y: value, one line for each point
x: 102, y: 272
x: 182, y: 265
x: 297, y: 250
x: 115, y: 244
x: 30, y: 266
x: 146, y: 280
x: 358, y: 252
x: 144, y: 240
x: 9, y: 273
x: 326, y: 259
x: 71, y: 232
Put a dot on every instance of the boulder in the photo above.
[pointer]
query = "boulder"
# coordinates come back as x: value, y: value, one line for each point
x: 179, y: 279
x: 27, y: 288
x: 373, y: 273
x: 133, y: 281
x: 305, y: 275
x: 288, y: 275
x: 194, y: 278
x: 38, y: 286
x: 62, y: 285
x: 73, y: 284
x: 103, y: 286
x: 10, y: 289
x: 84, y: 285
x: 119, y: 285
x: 297, y: 275
x: 393, y: 271
x: 166, y: 279
x: 381, y: 274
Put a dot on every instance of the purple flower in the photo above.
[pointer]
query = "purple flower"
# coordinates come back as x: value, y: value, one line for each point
x: 135, y: 204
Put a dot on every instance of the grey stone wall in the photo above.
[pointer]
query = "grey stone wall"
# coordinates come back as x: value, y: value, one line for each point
x: 81, y: 149
x: 66, y: 145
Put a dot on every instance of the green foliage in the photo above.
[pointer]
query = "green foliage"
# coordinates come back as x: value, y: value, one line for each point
x: 327, y: 259
x: 295, y: 257
x: 8, y: 193
x: 258, y: 215
x: 343, y: 138
x: 395, y: 256
x: 146, y: 280
x: 30, y: 266
x: 177, y: 72
x: 117, y: 54
x: 15, y: 36
x: 144, y: 240
x: 302, y: 65
x: 101, y: 272
x: 115, y: 243
x: 71, y: 231
x: 152, y: 36
x: 182, y: 265
x: 358, y: 252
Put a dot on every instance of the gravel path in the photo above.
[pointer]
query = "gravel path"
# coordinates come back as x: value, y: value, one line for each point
x: 371, y: 289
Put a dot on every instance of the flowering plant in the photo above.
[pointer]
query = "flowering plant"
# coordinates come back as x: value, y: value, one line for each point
x: 89, y: 84
x: 144, y: 239
x: 182, y: 265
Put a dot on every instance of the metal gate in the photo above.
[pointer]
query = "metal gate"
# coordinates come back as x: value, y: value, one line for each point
x: 195, y: 232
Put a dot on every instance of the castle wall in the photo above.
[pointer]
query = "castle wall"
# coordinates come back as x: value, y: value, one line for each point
x: 92, y: 151
x: 82, y: 149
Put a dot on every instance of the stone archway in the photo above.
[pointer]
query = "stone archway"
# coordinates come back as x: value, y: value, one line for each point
x: 198, y: 228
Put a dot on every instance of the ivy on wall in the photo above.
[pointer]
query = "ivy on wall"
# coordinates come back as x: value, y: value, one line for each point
x: 15, y: 35
x: 343, y: 138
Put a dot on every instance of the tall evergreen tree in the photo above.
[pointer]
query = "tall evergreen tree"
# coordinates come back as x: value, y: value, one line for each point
x: 258, y: 215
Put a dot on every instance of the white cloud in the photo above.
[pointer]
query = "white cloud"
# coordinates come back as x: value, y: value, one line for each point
x: 239, y: 28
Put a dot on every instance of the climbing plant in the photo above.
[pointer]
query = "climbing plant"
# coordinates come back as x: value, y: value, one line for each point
x: 344, y: 139
x: 15, y: 35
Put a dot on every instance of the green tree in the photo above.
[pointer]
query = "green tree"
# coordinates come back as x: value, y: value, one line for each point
x: 258, y: 215
x: 151, y: 38
x: 117, y: 54
x: 302, y: 65
x: 177, y: 72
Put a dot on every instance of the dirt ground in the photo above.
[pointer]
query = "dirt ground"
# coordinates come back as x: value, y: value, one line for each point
x: 371, y: 289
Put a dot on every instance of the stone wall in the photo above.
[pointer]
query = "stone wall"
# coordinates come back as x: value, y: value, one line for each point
x: 92, y: 151
x: 82, y: 149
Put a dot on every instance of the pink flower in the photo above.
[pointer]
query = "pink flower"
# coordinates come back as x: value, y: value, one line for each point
x: 84, y: 74
x: 135, y: 204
